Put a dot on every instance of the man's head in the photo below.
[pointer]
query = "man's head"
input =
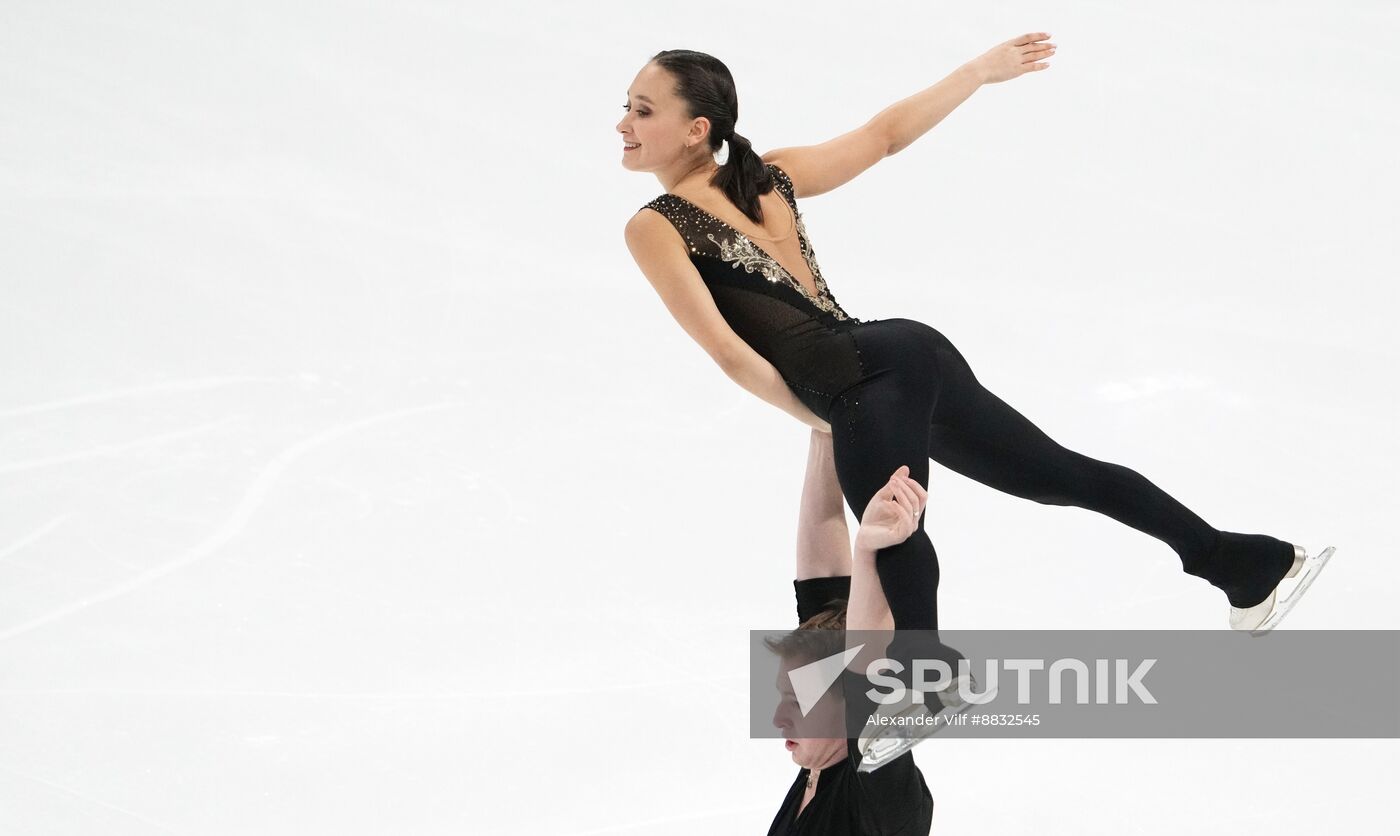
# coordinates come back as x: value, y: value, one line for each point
x: 819, y: 637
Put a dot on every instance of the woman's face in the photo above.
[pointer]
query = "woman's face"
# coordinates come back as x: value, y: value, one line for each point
x: 656, y: 120
x: 828, y: 714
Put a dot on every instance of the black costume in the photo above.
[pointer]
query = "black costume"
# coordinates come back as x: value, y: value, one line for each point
x: 897, y: 392
x: 893, y: 800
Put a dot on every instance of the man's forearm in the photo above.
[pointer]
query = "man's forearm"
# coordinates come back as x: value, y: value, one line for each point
x: 868, y: 608
x: 823, y: 539
x: 910, y: 118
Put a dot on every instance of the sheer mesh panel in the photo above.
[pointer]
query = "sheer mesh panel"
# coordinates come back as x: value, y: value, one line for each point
x: 806, y: 338
x: 816, y: 361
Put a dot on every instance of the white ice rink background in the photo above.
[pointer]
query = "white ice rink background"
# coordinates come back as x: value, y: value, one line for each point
x: 355, y: 480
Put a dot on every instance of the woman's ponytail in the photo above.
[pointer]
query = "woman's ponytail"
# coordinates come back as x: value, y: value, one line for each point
x: 743, y: 177
x: 705, y: 84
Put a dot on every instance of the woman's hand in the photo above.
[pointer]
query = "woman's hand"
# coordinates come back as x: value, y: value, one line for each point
x: 893, y: 513
x: 1015, y: 57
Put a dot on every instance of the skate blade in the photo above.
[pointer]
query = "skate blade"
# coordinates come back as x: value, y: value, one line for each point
x: 887, y: 743
x: 1305, y: 577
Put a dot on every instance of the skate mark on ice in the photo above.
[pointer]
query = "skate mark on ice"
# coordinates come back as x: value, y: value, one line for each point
x: 254, y: 497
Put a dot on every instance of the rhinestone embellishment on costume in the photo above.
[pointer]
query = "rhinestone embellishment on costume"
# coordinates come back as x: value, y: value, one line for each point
x: 738, y: 250
x: 742, y: 252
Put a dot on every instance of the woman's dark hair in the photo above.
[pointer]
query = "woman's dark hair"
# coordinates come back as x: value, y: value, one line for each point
x: 704, y: 83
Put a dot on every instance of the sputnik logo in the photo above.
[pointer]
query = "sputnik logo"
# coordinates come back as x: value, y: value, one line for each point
x: 811, y: 680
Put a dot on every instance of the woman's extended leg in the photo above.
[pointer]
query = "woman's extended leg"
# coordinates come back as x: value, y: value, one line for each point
x: 875, y: 429
x: 977, y: 434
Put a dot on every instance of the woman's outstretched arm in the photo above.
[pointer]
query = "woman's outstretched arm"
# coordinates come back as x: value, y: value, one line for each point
x: 815, y: 169
x: 911, y: 118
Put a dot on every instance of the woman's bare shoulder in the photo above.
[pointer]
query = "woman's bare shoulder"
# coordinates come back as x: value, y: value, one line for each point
x: 651, y: 228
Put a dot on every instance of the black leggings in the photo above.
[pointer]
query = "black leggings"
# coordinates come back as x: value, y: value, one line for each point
x: 919, y: 400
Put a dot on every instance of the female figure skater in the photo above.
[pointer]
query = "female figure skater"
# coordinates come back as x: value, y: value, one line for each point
x: 726, y: 250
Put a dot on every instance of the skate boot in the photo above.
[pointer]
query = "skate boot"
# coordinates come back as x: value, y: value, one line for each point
x: 882, y: 742
x: 1265, y: 616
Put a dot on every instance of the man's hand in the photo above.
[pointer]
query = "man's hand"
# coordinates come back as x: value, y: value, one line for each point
x: 893, y: 513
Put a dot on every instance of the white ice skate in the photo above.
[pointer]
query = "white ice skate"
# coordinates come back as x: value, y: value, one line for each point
x: 882, y: 742
x: 1265, y: 616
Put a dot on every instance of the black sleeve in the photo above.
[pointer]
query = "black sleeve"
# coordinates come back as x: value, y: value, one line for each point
x: 813, y: 594
x: 893, y: 799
